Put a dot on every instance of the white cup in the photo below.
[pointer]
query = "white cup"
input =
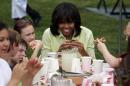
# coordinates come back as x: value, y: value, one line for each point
x: 86, y: 63
x: 97, y: 66
x: 53, y: 64
x: 76, y: 66
x: 105, y: 66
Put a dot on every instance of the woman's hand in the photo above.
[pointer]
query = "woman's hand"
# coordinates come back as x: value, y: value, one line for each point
x: 74, y: 44
x: 65, y: 45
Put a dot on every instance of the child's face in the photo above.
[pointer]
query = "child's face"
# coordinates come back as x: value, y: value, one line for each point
x: 127, y: 30
x: 4, y: 42
x: 28, y: 33
x: 20, y: 54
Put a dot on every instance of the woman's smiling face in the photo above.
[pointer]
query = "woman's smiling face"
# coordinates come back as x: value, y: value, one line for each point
x: 4, y: 42
x: 67, y: 29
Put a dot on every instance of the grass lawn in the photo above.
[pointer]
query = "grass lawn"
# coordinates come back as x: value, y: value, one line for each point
x: 99, y: 24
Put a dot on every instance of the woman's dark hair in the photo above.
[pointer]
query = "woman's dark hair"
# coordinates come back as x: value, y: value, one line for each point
x: 68, y: 13
x: 22, y: 23
x: 123, y: 72
x: 3, y: 26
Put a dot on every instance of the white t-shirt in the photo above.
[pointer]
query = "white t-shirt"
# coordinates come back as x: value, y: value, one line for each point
x: 5, y: 73
x: 19, y: 8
